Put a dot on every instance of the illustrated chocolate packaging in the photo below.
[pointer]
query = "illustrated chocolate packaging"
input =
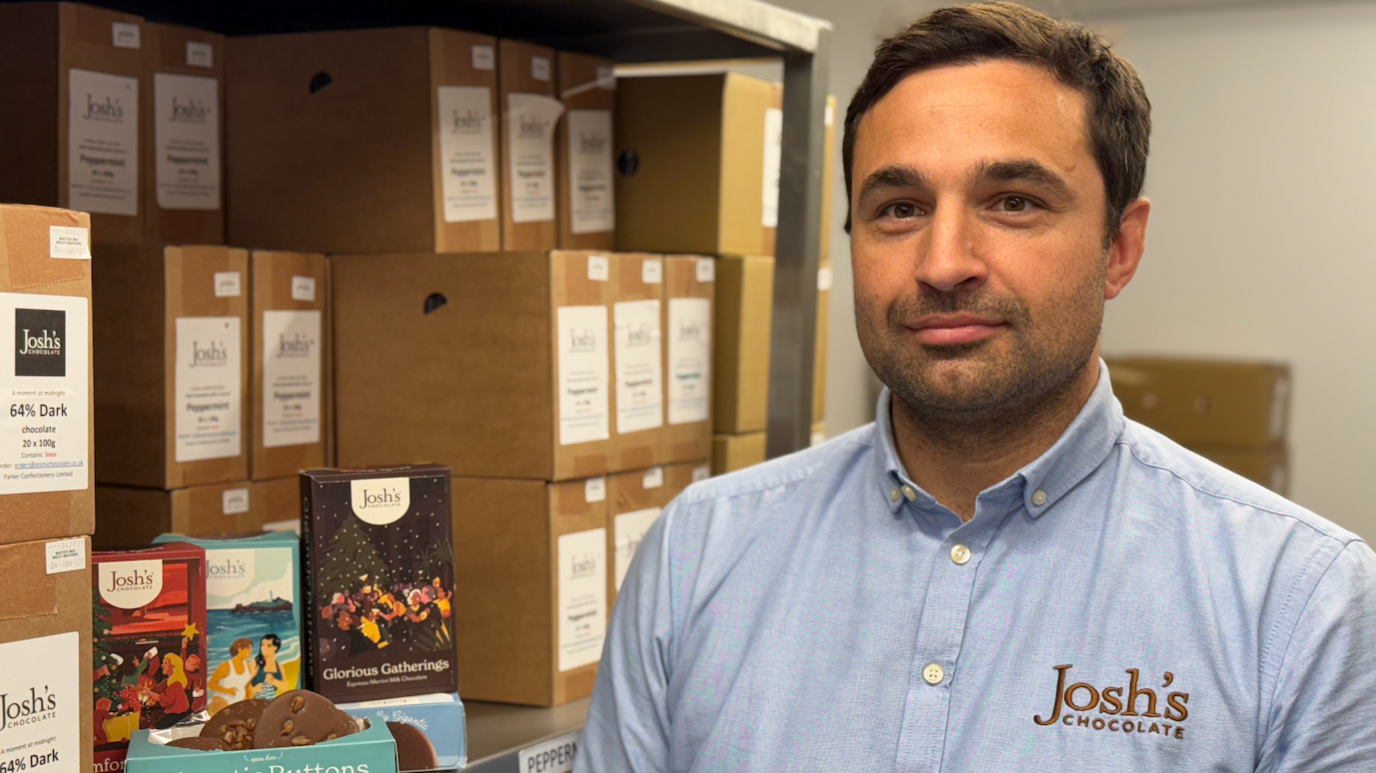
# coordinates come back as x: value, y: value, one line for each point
x: 379, y: 559
x: 253, y: 616
x: 149, y: 643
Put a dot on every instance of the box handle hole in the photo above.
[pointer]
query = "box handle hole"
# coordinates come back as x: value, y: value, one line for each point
x: 628, y: 163
x: 435, y: 301
x: 319, y: 81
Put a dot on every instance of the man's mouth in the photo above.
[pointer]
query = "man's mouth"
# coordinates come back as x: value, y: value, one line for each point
x: 953, y: 329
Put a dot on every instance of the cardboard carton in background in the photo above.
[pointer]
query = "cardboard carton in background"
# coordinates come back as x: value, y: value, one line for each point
x: 415, y: 171
x: 182, y: 101
x: 638, y: 421
x: 584, y: 145
x: 69, y: 88
x: 173, y: 412
x: 456, y: 359
x: 773, y: 161
x: 829, y: 119
x: 132, y: 517
x: 689, y: 289
x: 1205, y: 402
x: 1268, y: 466
x: 275, y: 503
x: 744, y: 318
x: 530, y: 115
x: 737, y: 452
x: 635, y: 501
x: 531, y: 587
x: 290, y: 339
x: 819, y: 351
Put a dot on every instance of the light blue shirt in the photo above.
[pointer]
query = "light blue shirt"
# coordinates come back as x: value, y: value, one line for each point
x: 1125, y: 605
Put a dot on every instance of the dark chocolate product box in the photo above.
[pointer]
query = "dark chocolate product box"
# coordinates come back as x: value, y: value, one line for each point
x: 149, y: 643
x: 377, y: 548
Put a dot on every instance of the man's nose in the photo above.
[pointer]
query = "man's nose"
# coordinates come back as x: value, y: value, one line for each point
x: 949, y: 258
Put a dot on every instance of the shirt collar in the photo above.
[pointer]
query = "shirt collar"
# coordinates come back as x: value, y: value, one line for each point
x: 1079, y: 451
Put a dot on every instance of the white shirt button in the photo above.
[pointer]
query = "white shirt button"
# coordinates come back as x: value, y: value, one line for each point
x: 893, y: 494
x: 1039, y: 497
x: 933, y: 674
x: 909, y: 493
x: 960, y: 554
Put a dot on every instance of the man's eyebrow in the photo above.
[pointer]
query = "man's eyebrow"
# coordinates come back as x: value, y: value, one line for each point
x: 896, y: 176
x: 1024, y: 170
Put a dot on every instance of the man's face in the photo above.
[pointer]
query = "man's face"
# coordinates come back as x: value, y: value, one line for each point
x: 977, y: 239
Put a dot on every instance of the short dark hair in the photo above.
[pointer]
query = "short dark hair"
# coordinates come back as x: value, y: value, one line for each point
x: 1119, y: 112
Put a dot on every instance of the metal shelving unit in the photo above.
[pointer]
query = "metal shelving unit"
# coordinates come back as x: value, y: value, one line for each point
x: 625, y: 31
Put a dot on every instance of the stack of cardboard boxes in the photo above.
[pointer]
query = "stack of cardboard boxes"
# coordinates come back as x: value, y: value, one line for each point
x: 1234, y: 413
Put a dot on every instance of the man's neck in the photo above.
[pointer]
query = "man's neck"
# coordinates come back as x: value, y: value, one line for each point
x: 954, y: 462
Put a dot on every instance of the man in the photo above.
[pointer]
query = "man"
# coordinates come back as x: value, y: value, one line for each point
x: 1001, y: 574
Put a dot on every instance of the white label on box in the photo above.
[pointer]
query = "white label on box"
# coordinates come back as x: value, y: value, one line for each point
x: 552, y: 756
x: 468, y: 166
x: 103, y: 143
x: 199, y: 54
x: 773, y: 156
x: 639, y: 360
x: 652, y: 271
x: 123, y: 34
x: 129, y: 584
x: 582, y: 598
x: 43, y: 727
x: 592, y: 208
x: 701, y: 473
x: 539, y: 68
x: 484, y: 58
x: 208, y: 389
x: 68, y: 555
x: 531, y: 119
x: 606, y: 78
x: 291, y: 378
x: 707, y: 270
x: 599, y: 268
x: 69, y: 242
x: 654, y: 478
x: 235, y: 501
x: 186, y: 139
x: 595, y: 490
x: 690, y: 359
x: 818, y: 437
x: 824, y: 278
x: 228, y: 284
x: 630, y: 530
x: 584, y: 365
x: 303, y: 288
x: 45, y: 426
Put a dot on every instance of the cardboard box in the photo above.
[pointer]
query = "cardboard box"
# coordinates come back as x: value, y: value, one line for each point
x: 276, y: 504
x: 689, y: 287
x: 45, y: 458
x: 587, y: 201
x: 819, y: 346
x: 819, y: 434
x: 183, y: 139
x: 829, y: 118
x: 290, y: 402
x: 694, y: 153
x: 1205, y: 402
x: 371, y: 749
x: 69, y: 88
x: 736, y: 452
x: 744, y: 317
x: 493, y: 367
x: 378, y: 551
x: 638, y: 358
x: 634, y: 502
x: 149, y: 641
x: 173, y: 381
x: 439, y: 720
x: 45, y: 650
x: 364, y: 141
x: 773, y: 161
x: 529, y: 120
x: 1268, y: 466
x: 133, y: 517
x: 531, y: 588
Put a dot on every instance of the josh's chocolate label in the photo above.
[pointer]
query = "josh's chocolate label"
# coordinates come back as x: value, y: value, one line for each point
x: 39, y: 335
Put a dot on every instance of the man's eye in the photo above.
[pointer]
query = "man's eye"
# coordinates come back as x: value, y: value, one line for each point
x: 1014, y: 204
x: 902, y: 210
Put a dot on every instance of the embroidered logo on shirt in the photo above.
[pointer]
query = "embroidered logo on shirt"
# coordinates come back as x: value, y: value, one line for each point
x: 1083, y: 705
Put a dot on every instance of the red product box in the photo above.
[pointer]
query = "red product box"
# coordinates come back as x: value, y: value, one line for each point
x: 149, y: 641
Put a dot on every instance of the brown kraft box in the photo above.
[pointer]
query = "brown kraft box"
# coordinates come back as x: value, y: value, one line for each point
x: 587, y: 203
x: 638, y: 355
x: 731, y: 453
x: 531, y: 588
x: 1268, y: 466
x: 829, y: 117
x: 634, y: 502
x: 493, y: 367
x: 416, y: 168
x: 46, y: 481
x: 276, y: 504
x: 290, y: 397
x: 45, y: 652
x: 131, y: 517
x: 1205, y: 402
x: 689, y: 289
x: 182, y: 99
x: 744, y: 317
x: 530, y: 114
x: 173, y: 381
x: 69, y: 88
x: 819, y: 350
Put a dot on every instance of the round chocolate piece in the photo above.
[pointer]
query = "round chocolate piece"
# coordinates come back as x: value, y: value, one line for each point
x: 301, y: 718
x: 414, y: 750
x: 234, y: 724
x: 203, y: 743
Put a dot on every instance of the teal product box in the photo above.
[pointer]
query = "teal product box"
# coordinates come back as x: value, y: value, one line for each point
x: 253, y: 615
x: 441, y: 742
x: 371, y: 750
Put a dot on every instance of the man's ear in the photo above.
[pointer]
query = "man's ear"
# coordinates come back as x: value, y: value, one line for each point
x: 1125, y: 253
